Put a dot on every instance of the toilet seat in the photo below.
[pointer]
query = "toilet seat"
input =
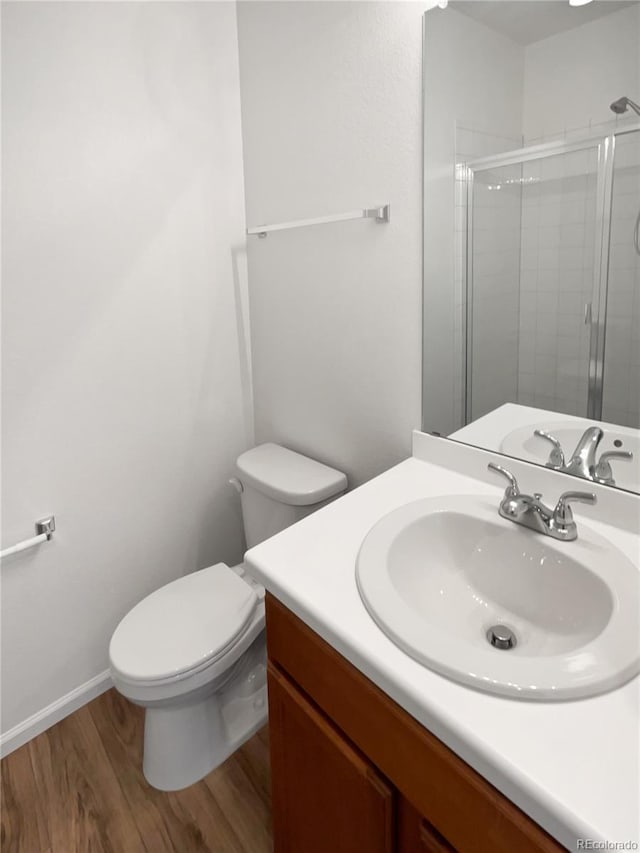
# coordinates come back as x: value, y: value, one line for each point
x: 184, y: 627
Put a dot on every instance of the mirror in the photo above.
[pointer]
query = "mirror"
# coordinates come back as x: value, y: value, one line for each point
x: 531, y: 219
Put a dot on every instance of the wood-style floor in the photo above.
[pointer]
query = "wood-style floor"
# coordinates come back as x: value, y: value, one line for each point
x: 79, y: 788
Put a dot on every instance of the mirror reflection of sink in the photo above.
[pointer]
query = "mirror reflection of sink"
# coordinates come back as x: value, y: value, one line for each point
x: 438, y: 574
x: 523, y: 444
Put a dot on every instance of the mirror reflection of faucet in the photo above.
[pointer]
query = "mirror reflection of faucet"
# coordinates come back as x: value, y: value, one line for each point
x: 583, y: 462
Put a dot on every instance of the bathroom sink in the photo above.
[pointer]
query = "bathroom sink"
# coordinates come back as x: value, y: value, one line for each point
x: 523, y: 444
x: 437, y: 575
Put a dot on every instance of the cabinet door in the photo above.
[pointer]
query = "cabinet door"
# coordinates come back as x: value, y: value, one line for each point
x: 327, y: 798
x: 416, y: 834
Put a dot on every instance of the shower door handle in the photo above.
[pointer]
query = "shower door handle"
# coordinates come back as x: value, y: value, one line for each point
x: 588, y: 315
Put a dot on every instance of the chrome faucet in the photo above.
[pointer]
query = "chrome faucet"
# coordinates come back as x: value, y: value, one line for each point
x: 584, y: 462
x: 529, y: 511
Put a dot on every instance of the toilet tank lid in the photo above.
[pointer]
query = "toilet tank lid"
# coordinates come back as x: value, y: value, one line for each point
x: 289, y: 477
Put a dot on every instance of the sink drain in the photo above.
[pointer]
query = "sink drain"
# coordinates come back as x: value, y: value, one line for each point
x: 501, y: 637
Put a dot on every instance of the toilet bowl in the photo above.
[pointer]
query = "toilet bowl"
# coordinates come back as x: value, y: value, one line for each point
x: 193, y: 653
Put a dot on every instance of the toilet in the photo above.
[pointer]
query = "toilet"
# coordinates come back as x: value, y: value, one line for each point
x: 193, y: 653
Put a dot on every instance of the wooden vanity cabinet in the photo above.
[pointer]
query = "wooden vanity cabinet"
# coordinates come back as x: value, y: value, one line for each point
x: 328, y: 797
x: 352, y: 772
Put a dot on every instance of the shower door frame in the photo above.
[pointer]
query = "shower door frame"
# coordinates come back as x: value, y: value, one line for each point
x: 596, y: 309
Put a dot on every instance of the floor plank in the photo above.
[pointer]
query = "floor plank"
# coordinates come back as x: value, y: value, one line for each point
x: 247, y: 807
x: 253, y: 758
x: 23, y: 828
x: 79, y: 788
x: 121, y: 725
x: 74, y: 777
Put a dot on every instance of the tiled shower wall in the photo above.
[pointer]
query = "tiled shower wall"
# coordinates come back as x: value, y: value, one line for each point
x: 556, y: 283
x: 556, y: 280
x: 621, y: 402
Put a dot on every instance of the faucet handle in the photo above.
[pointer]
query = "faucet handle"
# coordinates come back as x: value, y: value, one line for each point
x: 603, y: 468
x: 512, y: 489
x: 562, y: 514
x: 556, y: 457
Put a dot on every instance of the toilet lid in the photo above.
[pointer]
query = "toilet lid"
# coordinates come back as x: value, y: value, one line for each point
x: 184, y: 625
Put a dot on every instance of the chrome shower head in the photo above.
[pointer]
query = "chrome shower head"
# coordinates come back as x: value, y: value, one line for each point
x: 622, y: 105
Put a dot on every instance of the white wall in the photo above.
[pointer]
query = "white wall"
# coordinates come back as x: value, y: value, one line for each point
x: 331, y: 122
x: 124, y: 385
x: 473, y: 80
x: 572, y: 77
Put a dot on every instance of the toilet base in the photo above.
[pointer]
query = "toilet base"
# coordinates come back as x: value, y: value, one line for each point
x: 188, y: 737
x: 184, y: 744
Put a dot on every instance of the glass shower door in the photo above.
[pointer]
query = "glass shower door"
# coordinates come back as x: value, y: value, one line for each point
x: 531, y: 247
x: 493, y: 290
x: 621, y: 379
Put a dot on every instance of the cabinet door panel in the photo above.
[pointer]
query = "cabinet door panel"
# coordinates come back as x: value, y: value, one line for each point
x: 326, y: 795
x: 416, y: 834
x: 431, y: 841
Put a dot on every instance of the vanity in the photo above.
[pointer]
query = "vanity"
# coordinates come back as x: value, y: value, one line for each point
x: 352, y: 771
x: 372, y: 750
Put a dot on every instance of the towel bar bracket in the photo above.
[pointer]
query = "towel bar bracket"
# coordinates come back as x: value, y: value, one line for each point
x: 46, y: 526
x: 380, y: 214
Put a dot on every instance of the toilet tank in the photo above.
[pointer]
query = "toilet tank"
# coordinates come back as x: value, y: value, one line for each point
x: 279, y: 487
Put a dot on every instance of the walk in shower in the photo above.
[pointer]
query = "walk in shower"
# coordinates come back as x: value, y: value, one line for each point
x: 550, y: 277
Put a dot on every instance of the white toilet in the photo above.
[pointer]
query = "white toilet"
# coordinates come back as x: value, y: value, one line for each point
x: 193, y: 653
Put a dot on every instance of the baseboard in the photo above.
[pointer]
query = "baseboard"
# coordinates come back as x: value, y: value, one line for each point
x: 53, y: 713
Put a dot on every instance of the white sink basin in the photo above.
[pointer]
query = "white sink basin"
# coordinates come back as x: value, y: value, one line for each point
x: 437, y: 574
x: 523, y: 444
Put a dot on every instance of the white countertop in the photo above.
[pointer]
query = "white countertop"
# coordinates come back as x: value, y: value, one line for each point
x: 574, y: 767
x: 489, y: 430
